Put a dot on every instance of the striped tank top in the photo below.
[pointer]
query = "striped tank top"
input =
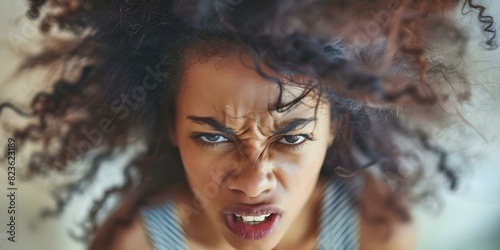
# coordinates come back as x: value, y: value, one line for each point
x: 339, y: 223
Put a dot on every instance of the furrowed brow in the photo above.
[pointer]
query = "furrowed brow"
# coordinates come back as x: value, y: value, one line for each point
x: 211, y: 122
x: 293, y: 124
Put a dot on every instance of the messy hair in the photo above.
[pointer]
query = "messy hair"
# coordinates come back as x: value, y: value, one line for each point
x: 387, y: 67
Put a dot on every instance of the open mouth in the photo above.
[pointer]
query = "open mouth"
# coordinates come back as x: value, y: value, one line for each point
x: 251, y: 220
x: 253, y: 227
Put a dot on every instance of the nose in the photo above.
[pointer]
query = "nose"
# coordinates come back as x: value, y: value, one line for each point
x: 253, y: 179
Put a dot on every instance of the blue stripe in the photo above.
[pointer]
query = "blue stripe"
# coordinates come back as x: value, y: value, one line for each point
x: 339, y: 221
x: 163, y: 228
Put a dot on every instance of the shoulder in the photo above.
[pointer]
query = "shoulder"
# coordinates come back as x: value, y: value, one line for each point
x: 114, y: 234
x: 132, y: 237
x: 136, y: 234
x: 382, y: 222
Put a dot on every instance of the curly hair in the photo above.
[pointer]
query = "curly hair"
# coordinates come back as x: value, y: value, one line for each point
x: 388, y: 68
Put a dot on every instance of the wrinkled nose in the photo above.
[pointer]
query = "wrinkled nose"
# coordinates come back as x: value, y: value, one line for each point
x: 252, y: 181
x: 253, y: 177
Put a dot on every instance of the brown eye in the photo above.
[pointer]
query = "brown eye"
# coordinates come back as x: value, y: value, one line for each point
x: 292, y: 139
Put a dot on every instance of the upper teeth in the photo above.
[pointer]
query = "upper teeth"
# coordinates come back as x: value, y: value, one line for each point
x: 253, y: 218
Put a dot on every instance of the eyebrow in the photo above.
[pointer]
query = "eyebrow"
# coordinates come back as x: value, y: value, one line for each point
x: 293, y: 124
x: 287, y: 127
x: 211, y: 122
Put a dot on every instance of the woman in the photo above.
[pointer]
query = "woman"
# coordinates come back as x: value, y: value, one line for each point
x: 266, y: 124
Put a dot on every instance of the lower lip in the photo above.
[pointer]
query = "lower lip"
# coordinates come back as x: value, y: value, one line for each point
x: 252, y: 232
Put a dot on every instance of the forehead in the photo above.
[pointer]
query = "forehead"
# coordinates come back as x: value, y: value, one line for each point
x: 231, y: 87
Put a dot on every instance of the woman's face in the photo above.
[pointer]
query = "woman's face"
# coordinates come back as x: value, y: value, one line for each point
x: 252, y: 170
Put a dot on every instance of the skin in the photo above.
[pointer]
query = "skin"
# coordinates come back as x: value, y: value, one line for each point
x: 252, y: 165
x: 255, y: 163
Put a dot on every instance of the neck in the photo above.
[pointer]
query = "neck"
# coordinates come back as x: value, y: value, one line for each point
x: 304, y: 235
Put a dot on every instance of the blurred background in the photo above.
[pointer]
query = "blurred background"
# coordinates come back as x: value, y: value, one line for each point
x: 468, y: 219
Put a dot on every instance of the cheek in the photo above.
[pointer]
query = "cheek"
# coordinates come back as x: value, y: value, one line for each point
x: 299, y: 172
x: 201, y: 165
x: 193, y: 162
x: 303, y: 174
x: 305, y: 171
x: 308, y: 160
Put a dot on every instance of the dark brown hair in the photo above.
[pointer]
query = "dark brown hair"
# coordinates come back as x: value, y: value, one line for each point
x: 386, y: 66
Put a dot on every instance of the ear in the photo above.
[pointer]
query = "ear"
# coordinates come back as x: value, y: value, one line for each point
x: 172, y: 136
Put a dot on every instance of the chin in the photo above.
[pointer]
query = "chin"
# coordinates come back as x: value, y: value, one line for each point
x: 267, y: 243
x: 263, y: 244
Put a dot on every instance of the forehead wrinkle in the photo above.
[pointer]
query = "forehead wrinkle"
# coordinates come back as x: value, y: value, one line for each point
x: 254, y: 129
x: 248, y: 151
x: 245, y: 123
x: 266, y: 121
x: 237, y: 109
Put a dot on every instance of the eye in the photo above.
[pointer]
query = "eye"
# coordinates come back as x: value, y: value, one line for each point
x: 292, y: 139
x: 213, y: 138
